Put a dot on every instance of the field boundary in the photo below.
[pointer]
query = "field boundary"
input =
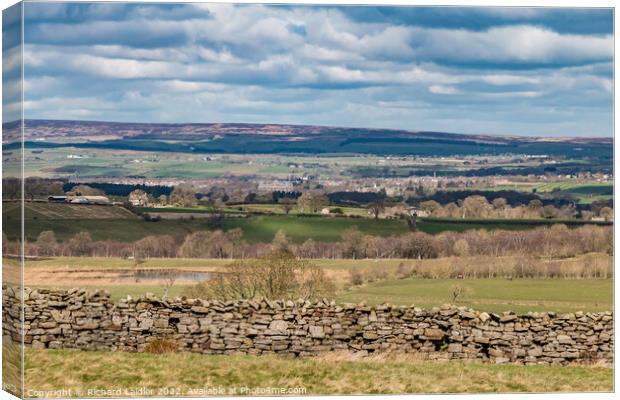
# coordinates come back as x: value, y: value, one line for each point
x: 75, y: 318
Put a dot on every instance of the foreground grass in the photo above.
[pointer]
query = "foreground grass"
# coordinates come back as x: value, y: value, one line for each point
x: 519, y: 295
x: 330, y: 374
x: 11, y: 366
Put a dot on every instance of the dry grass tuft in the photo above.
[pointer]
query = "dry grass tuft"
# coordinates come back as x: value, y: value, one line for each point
x: 162, y: 346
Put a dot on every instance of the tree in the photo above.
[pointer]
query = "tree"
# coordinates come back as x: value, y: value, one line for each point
x: 40, y: 187
x: 46, y: 243
x: 236, y: 240
x: 280, y: 242
x: 184, y: 195
x: 205, y: 244
x: 168, y: 278
x: 80, y: 244
x: 11, y: 188
x: 418, y: 245
x: 313, y: 201
x: 163, y: 200
x: 549, y: 211
x: 499, y: 203
x: 607, y: 213
x: 535, y: 206
x: 277, y: 276
x: 376, y: 208
x: 459, y: 292
x: 461, y: 248
x: 430, y: 206
x: 586, y: 215
x: 351, y: 243
x: 139, y: 198
x: 475, y: 206
x: 287, y: 205
x: 155, y: 246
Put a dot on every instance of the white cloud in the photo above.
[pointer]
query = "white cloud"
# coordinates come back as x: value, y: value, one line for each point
x: 441, y: 89
x: 521, y: 44
x: 245, y: 63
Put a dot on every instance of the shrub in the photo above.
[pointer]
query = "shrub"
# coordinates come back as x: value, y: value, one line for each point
x: 279, y: 275
x: 403, y: 272
x: 355, y: 277
x: 381, y: 273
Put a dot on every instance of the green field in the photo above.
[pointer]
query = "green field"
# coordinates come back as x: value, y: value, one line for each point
x: 519, y: 295
x: 330, y: 374
x: 491, y: 295
x: 585, y: 193
x: 109, y: 229
x: 298, y: 229
x: 116, y: 223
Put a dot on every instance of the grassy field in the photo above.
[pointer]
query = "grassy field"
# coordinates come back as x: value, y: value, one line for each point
x: 585, y: 193
x: 491, y: 295
x: 330, y: 374
x: 519, y: 295
x: 298, y: 229
x: 109, y: 229
x: 101, y: 263
x: 115, y: 223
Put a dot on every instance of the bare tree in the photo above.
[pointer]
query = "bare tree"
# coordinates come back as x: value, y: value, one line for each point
x: 47, y: 244
x: 313, y: 201
x: 287, y: 205
x: 459, y: 292
x: 607, y: 213
x: 169, y: 278
x: 184, y: 195
x: 376, y: 208
x: 277, y: 276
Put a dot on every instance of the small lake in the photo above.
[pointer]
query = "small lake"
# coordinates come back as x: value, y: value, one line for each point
x: 158, y: 275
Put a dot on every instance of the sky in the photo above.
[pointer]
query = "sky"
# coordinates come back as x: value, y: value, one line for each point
x: 522, y: 71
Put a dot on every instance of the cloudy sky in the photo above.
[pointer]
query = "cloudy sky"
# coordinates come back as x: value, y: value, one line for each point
x: 523, y: 71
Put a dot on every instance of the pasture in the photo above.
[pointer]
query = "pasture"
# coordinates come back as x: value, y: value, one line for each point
x: 519, y: 295
x: 116, y: 223
x: 497, y: 295
x: 323, y: 375
x: 584, y: 193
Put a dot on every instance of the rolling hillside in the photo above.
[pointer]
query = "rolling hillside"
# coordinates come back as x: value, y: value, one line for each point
x: 291, y: 139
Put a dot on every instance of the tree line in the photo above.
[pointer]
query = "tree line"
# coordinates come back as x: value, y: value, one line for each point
x: 476, y: 206
x: 557, y: 241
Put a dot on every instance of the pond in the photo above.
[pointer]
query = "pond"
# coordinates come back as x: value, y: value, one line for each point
x: 159, y: 275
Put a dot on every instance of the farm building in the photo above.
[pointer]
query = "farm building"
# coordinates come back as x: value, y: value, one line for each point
x: 57, y: 199
x: 89, y: 200
x: 79, y: 199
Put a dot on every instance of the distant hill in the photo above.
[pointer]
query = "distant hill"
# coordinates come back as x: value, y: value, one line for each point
x: 290, y: 139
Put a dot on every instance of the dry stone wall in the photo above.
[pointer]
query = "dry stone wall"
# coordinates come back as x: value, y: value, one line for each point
x: 91, y: 321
